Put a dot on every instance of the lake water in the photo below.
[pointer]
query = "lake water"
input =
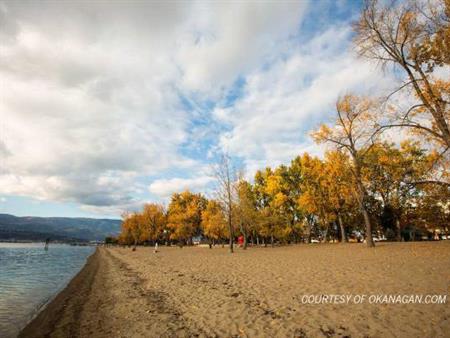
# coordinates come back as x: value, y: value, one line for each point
x: 31, y: 276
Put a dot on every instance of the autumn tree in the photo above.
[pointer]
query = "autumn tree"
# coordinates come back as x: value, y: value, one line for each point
x: 132, y: 229
x: 262, y: 201
x: 276, y: 194
x: 245, y: 210
x: 155, y: 221
x: 271, y: 225
x: 315, y: 197
x: 184, y: 216
x: 284, y: 187
x: 392, y: 173
x: 214, y: 224
x: 126, y: 236
x: 354, y: 132
x: 433, y: 208
x: 340, y: 187
x: 414, y: 36
x: 294, y: 178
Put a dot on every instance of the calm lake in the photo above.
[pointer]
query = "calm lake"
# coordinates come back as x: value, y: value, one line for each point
x: 31, y: 276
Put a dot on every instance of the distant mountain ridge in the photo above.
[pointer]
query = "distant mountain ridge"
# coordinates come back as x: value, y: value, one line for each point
x: 57, y: 228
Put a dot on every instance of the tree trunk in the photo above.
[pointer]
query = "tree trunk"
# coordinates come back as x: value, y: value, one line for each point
x: 362, y: 201
x: 326, y: 234
x: 271, y: 241
x: 344, y: 238
x: 398, y: 230
x: 369, y: 238
x: 230, y: 229
x: 309, y: 230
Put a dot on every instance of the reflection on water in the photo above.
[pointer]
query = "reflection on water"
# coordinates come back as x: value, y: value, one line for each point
x: 30, y: 276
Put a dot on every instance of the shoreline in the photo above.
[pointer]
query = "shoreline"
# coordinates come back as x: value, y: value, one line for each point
x: 46, y: 318
x: 41, y: 307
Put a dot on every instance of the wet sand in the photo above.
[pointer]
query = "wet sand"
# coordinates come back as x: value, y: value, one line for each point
x: 198, y: 292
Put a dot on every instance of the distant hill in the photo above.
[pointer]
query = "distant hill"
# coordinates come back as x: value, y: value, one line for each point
x: 56, y: 228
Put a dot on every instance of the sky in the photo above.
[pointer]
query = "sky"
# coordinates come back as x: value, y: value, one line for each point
x: 107, y: 105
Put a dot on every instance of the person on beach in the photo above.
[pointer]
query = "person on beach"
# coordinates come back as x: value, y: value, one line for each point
x: 156, y: 247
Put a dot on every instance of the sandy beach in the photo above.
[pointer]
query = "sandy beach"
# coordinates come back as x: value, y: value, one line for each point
x: 260, y: 292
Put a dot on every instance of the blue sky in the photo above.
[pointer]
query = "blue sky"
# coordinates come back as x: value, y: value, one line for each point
x: 114, y: 105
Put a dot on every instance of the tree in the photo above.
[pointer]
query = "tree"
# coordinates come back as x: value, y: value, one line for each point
x: 390, y: 174
x: 184, y: 216
x: 126, y: 236
x: 340, y: 186
x: 354, y: 132
x: 326, y: 189
x: 245, y: 210
x: 294, y: 178
x: 132, y: 227
x: 313, y: 198
x: 277, y: 211
x: 155, y: 220
x: 226, y: 191
x: 433, y: 208
x: 414, y: 37
x: 262, y: 200
x: 284, y: 189
x: 213, y: 221
x: 270, y: 225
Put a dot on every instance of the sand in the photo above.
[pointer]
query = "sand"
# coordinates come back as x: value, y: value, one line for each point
x: 200, y: 292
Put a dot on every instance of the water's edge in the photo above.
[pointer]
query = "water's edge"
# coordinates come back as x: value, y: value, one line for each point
x: 43, y: 306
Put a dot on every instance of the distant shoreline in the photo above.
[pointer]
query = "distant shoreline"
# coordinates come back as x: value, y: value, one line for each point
x: 81, y: 243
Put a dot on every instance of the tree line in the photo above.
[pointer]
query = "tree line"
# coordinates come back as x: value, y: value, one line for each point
x: 364, y: 185
x: 311, y: 198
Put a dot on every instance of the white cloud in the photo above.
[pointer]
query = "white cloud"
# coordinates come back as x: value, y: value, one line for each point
x: 93, y: 96
x: 228, y: 39
x: 271, y: 122
x: 165, y: 187
x: 90, y: 98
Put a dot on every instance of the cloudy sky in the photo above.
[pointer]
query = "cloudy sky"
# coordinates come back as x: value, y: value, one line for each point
x: 104, y: 106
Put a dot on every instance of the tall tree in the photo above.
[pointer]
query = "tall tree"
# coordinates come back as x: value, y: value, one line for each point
x: 354, y: 132
x: 315, y: 197
x: 340, y: 186
x: 227, y: 180
x: 270, y: 203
